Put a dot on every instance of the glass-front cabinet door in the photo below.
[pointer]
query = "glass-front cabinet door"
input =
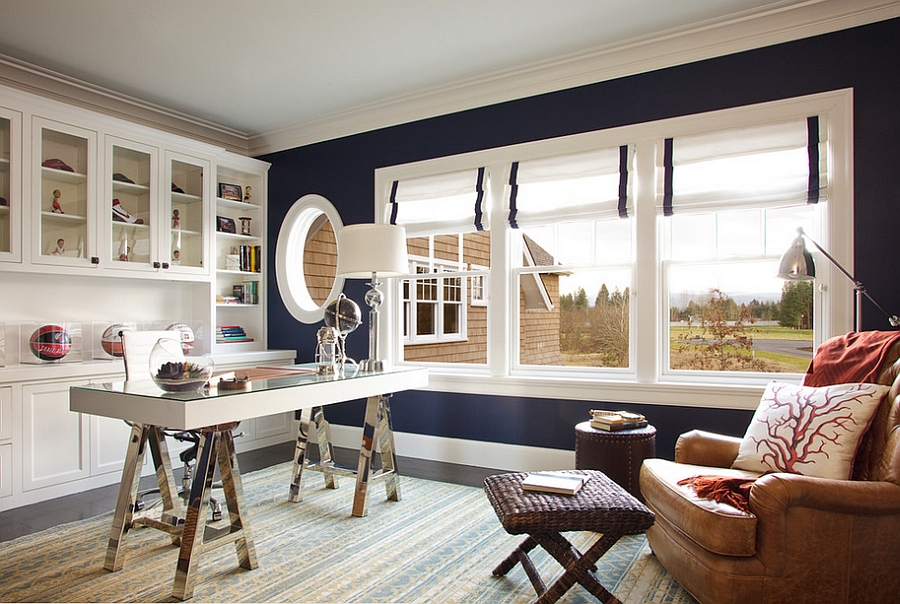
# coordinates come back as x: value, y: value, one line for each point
x: 10, y: 185
x: 64, y: 184
x: 186, y: 233
x: 132, y: 215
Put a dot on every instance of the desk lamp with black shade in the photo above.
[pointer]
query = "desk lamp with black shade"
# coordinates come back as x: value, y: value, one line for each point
x: 372, y: 251
x: 797, y: 265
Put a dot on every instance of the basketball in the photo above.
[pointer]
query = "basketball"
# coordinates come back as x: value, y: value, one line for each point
x: 111, y: 341
x: 50, y: 342
x: 187, y: 335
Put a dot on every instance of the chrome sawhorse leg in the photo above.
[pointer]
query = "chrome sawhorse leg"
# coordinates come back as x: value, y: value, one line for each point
x: 216, y: 444
x: 377, y: 430
x: 125, y: 517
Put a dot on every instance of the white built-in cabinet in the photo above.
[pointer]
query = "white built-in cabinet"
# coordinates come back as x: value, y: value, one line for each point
x: 10, y: 184
x: 64, y: 204
x: 54, y: 440
x: 105, y: 221
x: 87, y: 195
x: 6, y: 445
x: 239, y: 256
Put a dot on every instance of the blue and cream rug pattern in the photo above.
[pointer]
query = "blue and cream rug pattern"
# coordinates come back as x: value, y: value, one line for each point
x: 439, y: 544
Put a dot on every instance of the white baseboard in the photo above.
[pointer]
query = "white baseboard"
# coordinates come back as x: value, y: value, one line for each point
x: 512, y: 458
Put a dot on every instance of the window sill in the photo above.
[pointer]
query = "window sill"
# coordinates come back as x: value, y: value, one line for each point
x: 716, y: 396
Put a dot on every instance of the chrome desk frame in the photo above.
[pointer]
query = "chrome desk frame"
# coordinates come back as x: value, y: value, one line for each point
x: 215, y: 414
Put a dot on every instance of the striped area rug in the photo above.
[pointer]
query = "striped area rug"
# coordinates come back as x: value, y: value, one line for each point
x: 439, y: 544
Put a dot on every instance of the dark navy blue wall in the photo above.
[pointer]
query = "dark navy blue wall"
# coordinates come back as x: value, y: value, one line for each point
x: 342, y: 170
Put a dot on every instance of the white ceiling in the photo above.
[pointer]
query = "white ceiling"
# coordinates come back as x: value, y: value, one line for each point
x: 255, y: 67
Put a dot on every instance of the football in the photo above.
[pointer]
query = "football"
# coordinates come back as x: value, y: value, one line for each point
x: 187, y: 335
x: 50, y: 342
x: 111, y: 341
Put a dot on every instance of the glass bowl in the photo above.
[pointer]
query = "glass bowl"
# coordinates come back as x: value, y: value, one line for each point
x: 174, y: 372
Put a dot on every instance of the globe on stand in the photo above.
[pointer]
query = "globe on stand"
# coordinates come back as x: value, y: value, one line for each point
x: 343, y: 315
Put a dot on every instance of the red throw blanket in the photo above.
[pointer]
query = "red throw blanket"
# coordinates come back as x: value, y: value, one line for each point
x: 732, y: 490
x: 850, y: 359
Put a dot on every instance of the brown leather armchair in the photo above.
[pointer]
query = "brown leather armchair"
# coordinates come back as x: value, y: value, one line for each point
x: 804, y: 539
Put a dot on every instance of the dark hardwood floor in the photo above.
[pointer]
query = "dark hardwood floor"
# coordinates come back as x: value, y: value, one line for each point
x: 46, y: 514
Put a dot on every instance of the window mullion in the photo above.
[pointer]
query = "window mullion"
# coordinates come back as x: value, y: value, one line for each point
x: 501, y: 284
x: 645, y: 295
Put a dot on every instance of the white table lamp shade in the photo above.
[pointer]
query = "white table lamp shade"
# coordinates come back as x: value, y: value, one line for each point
x: 364, y: 249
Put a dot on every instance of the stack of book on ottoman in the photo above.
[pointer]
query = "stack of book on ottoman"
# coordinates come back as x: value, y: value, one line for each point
x: 613, y: 421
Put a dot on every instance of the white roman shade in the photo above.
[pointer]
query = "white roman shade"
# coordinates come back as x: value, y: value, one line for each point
x: 763, y: 165
x: 592, y: 185
x: 444, y: 203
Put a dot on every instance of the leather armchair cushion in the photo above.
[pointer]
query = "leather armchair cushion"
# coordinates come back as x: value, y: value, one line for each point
x: 716, y: 527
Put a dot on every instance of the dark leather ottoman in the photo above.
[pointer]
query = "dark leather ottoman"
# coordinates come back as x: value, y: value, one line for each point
x: 600, y: 505
x: 619, y: 455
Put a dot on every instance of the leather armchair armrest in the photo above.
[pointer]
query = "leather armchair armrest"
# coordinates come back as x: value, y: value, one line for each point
x: 797, y: 515
x: 773, y: 494
x: 701, y: 448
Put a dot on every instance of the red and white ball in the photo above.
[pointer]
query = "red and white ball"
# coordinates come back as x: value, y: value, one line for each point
x: 50, y: 342
x: 187, y: 335
x: 111, y: 341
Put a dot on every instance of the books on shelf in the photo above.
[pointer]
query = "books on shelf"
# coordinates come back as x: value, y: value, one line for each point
x: 613, y: 421
x: 250, y: 258
x: 247, y: 292
x: 231, y: 333
x: 560, y: 483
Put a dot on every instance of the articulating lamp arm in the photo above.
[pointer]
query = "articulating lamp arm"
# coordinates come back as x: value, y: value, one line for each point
x: 894, y: 320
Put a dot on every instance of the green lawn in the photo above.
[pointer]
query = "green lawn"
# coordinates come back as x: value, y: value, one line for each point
x: 680, y: 342
x: 765, y: 332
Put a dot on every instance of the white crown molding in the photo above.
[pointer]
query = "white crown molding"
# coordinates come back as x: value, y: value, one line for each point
x: 57, y: 86
x: 780, y: 21
x: 777, y: 23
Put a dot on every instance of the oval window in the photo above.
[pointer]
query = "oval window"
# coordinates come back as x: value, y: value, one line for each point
x: 306, y: 258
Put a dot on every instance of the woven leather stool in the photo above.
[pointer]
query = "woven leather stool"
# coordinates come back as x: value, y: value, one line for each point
x: 600, y: 505
x: 619, y: 455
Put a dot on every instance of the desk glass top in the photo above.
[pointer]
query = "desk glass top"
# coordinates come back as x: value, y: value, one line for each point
x: 145, y: 402
x: 289, y: 376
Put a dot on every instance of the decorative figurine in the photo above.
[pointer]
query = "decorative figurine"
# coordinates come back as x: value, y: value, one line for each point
x: 176, y: 219
x: 57, y: 209
x: 247, y: 194
x: 60, y: 247
x: 245, y: 225
x: 176, y: 257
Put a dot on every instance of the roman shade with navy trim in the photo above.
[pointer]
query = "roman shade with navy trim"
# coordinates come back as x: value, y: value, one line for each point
x: 764, y: 165
x: 592, y: 185
x: 443, y: 203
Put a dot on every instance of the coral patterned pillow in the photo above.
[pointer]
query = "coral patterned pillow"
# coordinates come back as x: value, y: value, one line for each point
x: 809, y: 431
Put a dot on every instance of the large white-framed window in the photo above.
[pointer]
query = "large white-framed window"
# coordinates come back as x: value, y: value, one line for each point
x: 653, y: 246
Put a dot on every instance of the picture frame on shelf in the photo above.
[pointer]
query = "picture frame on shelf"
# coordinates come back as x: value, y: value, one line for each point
x: 230, y: 192
x: 225, y: 224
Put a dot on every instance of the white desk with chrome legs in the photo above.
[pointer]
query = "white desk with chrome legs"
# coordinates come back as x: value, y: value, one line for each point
x: 215, y: 413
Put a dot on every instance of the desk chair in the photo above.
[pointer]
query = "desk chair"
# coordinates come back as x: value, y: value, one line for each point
x: 136, y: 349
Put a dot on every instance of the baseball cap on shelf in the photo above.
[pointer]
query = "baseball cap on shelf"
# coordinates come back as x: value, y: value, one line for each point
x: 176, y: 188
x: 57, y: 164
x: 122, y: 178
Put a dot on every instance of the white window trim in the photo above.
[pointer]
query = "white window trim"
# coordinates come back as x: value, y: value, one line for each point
x: 482, y: 300
x: 833, y: 297
x: 445, y: 272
